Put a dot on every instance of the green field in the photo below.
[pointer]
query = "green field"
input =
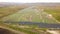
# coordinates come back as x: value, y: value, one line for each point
x: 30, y: 15
x: 5, y: 11
x: 55, y: 13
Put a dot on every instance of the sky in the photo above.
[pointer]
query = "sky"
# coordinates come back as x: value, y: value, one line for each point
x: 31, y: 1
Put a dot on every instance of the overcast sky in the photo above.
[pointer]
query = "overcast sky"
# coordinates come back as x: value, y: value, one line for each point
x: 30, y: 1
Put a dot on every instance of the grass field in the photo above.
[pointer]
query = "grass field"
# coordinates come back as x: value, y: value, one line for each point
x: 55, y: 13
x: 17, y: 14
x: 29, y: 14
x: 21, y: 13
x: 5, y: 11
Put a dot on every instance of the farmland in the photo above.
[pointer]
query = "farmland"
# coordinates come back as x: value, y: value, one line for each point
x: 55, y: 13
x: 5, y: 11
x: 29, y: 14
x: 26, y: 13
